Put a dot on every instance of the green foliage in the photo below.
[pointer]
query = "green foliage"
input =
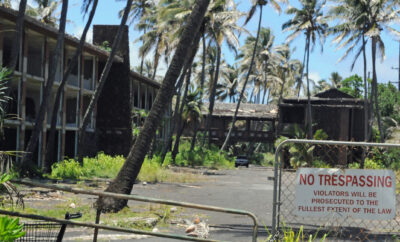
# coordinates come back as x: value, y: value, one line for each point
x: 389, y: 101
x: 105, y: 46
x: 353, y: 86
x: 102, y: 165
x: 302, y: 154
x: 212, y: 157
x: 10, y: 229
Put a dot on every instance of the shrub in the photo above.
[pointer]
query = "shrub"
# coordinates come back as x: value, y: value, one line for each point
x: 10, y: 229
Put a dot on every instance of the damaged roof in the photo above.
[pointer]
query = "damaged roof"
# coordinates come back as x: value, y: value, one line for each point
x: 246, y: 110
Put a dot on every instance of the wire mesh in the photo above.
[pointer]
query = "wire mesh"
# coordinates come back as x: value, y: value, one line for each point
x: 346, y: 158
x: 41, y: 231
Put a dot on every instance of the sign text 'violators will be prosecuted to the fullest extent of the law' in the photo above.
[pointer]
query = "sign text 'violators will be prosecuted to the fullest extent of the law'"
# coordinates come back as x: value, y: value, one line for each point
x: 365, y: 194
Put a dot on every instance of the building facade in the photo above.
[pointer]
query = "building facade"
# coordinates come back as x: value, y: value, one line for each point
x: 110, y: 128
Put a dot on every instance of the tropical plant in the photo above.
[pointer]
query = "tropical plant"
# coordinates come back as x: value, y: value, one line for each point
x: 45, y: 11
x: 308, y: 19
x: 335, y: 79
x: 10, y: 229
x: 255, y: 4
x: 126, y: 177
x: 352, y: 85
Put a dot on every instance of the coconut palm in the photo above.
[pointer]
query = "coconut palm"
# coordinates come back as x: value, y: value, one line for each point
x: 335, y: 79
x: 308, y: 19
x: 126, y: 177
x: 381, y: 14
x: 17, y: 40
x: 45, y: 11
x: 255, y: 4
x: 229, y: 87
x: 349, y: 31
x: 72, y: 65
x: 26, y: 163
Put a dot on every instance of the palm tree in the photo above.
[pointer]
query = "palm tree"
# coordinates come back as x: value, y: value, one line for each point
x: 335, y: 79
x: 260, y: 4
x: 138, y: 10
x: 222, y: 27
x: 26, y: 160
x: 44, y: 11
x: 72, y: 65
x: 103, y: 78
x: 349, y: 32
x: 229, y: 87
x: 308, y: 20
x: 126, y: 177
x: 381, y: 14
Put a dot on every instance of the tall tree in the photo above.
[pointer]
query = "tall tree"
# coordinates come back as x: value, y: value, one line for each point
x: 350, y: 30
x: 260, y: 4
x: 27, y: 158
x: 45, y: 11
x: 103, y: 78
x: 17, y: 40
x: 126, y: 177
x: 71, y: 66
x: 308, y: 20
x: 222, y: 27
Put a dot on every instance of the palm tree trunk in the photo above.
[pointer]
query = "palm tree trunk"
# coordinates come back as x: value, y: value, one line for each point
x: 142, y: 60
x: 224, y: 146
x: 366, y: 118
x: 175, y: 150
x: 156, y: 57
x: 127, y: 175
x: 168, y: 142
x: 375, y: 93
x: 302, y: 74
x: 103, y: 78
x: 212, y: 95
x: 74, y: 61
x: 19, y: 28
x: 309, y: 113
x: 30, y: 149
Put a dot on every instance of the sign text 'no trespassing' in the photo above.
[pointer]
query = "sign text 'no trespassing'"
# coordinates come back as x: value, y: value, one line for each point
x: 365, y: 194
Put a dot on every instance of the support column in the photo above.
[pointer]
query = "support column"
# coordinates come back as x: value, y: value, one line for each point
x: 1, y: 44
x: 46, y: 77
x: 343, y: 135
x: 146, y: 100
x: 24, y: 64
x: 63, y: 106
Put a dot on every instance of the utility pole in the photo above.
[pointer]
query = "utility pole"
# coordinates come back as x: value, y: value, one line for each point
x: 398, y: 68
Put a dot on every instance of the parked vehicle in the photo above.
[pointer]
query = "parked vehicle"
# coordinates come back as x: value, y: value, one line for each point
x: 242, y: 160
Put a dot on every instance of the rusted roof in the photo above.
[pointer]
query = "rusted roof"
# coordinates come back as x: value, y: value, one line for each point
x: 333, y: 93
x: 246, y: 110
x: 34, y: 24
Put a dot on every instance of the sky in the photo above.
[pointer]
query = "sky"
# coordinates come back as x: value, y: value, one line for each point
x: 322, y: 64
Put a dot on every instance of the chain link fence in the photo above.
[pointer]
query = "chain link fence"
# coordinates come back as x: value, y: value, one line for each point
x: 346, y: 189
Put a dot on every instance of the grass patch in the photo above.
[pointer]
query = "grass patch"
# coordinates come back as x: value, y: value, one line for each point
x: 143, y: 217
x: 105, y: 166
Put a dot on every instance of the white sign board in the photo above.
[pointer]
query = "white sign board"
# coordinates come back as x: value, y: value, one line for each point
x: 365, y: 194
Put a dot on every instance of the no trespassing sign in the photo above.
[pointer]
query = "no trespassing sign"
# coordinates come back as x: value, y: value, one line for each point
x: 365, y: 194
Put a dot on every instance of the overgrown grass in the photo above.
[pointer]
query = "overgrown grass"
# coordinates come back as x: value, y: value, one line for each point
x: 105, y: 166
x: 212, y: 158
x: 134, y: 216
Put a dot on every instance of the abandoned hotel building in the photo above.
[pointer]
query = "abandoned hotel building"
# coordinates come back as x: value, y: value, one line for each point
x: 110, y: 128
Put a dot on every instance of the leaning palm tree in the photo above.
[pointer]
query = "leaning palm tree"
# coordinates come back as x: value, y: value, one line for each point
x: 259, y: 4
x: 27, y: 158
x: 126, y: 177
x: 72, y: 65
x: 308, y: 20
x: 17, y: 40
x: 103, y: 78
